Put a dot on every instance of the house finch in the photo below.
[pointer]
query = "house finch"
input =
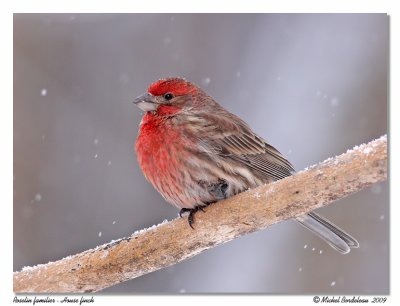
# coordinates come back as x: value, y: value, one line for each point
x: 194, y: 152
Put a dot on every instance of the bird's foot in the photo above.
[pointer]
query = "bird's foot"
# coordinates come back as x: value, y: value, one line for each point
x: 191, y: 211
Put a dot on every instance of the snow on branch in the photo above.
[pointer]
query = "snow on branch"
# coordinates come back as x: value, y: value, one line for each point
x: 172, y: 242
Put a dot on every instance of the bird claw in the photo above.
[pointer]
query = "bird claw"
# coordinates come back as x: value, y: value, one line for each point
x: 191, y: 211
x: 183, y: 210
x: 190, y: 218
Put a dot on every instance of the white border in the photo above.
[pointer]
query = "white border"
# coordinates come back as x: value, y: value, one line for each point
x: 211, y: 6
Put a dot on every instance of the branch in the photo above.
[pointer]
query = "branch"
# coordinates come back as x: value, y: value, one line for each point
x: 171, y: 242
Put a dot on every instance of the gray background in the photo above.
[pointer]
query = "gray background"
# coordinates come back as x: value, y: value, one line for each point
x: 312, y: 85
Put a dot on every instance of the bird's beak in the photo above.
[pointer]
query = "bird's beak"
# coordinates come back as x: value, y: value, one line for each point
x: 146, y: 102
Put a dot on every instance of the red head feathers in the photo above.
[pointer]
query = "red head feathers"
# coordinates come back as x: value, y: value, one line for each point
x: 176, y: 86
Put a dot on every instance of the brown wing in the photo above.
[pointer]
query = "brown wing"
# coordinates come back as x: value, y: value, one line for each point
x: 233, y: 139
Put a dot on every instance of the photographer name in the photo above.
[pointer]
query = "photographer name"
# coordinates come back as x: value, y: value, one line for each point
x: 343, y: 299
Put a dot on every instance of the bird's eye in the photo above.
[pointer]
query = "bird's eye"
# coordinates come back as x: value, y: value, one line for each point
x: 168, y: 96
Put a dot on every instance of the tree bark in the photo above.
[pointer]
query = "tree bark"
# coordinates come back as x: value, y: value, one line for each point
x: 169, y: 243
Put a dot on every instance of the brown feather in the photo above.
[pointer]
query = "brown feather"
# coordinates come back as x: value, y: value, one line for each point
x: 232, y: 139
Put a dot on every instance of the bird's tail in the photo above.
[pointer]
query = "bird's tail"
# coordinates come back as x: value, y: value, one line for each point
x: 333, y: 235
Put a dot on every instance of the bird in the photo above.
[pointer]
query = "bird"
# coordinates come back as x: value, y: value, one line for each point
x: 195, y: 153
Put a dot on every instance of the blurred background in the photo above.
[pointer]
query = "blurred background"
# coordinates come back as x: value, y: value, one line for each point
x: 313, y: 85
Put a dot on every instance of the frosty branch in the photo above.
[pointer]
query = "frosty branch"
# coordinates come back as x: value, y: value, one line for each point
x: 169, y: 243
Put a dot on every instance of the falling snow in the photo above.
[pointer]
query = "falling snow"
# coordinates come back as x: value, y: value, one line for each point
x: 100, y: 233
x: 114, y: 222
x: 320, y: 251
x: 333, y: 284
x: 96, y: 155
x: 335, y: 102
x: 238, y: 74
x: 305, y: 246
x: 382, y: 217
x: 313, y: 249
x: 109, y: 163
x: 38, y: 197
x: 300, y: 269
x: 206, y: 81
x: 43, y: 92
x: 96, y: 141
